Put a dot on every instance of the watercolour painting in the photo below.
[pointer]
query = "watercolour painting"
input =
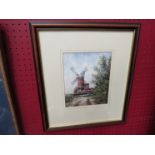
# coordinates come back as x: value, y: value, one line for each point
x: 86, y: 78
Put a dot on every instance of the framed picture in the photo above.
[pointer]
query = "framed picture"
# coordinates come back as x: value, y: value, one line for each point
x: 84, y: 71
x: 8, y: 122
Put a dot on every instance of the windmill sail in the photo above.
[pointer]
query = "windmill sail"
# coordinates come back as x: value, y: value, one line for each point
x: 73, y: 82
x: 83, y: 72
x: 73, y: 70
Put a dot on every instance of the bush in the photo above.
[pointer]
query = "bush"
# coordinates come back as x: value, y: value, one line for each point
x: 68, y: 98
x: 101, y: 80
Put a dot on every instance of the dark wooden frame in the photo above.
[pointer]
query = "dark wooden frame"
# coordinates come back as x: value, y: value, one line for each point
x: 7, y: 86
x: 76, y: 25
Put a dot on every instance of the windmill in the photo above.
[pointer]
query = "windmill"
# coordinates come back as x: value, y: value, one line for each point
x: 82, y: 87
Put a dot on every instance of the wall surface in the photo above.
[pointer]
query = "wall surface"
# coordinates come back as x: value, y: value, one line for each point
x: 141, y: 111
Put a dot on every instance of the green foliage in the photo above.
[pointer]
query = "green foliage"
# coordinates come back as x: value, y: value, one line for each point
x: 68, y: 98
x: 101, y: 80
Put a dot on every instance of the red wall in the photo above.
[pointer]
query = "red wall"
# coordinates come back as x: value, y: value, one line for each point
x: 141, y: 112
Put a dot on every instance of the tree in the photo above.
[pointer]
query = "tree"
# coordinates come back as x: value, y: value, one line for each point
x: 101, y: 80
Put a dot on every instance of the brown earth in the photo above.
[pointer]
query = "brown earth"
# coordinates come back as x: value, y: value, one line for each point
x: 81, y: 101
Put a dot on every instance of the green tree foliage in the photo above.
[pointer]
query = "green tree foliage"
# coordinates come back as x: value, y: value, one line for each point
x: 101, y: 80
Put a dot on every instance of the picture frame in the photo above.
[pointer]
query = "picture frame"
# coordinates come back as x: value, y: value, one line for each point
x: 8, y: 119
x: 63, y: 42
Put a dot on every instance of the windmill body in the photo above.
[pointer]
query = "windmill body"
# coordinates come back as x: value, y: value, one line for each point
x: 81, y: 87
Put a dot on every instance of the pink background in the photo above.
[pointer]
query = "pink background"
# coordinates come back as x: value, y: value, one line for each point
x: 141, y: 111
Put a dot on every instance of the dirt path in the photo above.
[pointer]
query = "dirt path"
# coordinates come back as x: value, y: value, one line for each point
x: 82, y: 100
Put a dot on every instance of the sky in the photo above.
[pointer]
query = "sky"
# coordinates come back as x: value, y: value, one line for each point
x: 79, y: 61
